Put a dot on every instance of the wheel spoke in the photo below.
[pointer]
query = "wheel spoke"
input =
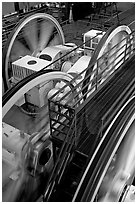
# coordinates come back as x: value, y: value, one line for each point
x: 54, y: 41
x: 30, y: 32
x: 46, y: 31
x: 18, y: 50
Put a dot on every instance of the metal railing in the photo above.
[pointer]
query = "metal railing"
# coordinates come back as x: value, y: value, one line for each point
x: 66, y: 114
x: 98, y: 71
x: 64, y: 157
x: 63, y: 113
x: 116, y: 105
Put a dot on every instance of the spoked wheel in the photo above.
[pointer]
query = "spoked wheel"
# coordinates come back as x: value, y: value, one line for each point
x: 30, y: 37
x: 26, y: 187
x: 114, y: 43
x: 121, y: 171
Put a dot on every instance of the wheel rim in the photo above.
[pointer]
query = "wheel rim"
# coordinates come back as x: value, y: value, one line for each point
x: 115, y: 38
x: 30, y: 37
x: 40, y: 79
x: 120, y: 173
x: 107, y: 160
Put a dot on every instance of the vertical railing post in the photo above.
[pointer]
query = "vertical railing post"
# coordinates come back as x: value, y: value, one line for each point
x: 50, y: 118
x: 97, y: 76
x: 127, y: 41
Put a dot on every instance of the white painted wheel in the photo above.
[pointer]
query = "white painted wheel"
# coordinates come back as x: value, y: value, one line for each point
x: 121, y: 169
x: 38, y: 80
x: 114, y: 171
x: 16, y: 190
x: 114, y: 58
x: 30, y: 37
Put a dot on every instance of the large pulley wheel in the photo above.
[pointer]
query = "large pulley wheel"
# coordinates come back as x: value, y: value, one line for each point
x: 35, y: 80
x: 30, y: 37
x: 110, y: 53
x: 120, y: 169
x: 21, y: 189
x: 111, y: 170
x: 114, y: 43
